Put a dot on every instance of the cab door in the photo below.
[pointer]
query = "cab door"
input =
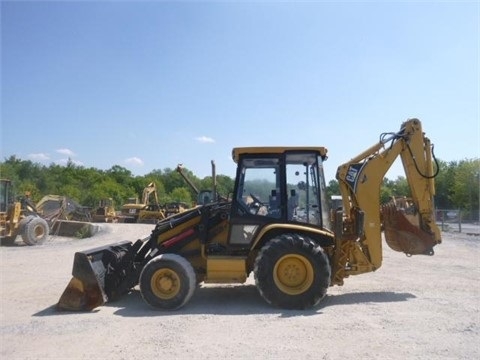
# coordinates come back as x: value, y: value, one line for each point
x: 257, y: 197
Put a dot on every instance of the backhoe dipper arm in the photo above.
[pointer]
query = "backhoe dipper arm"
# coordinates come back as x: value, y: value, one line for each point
x: 150, y: 189
x: 411, y: 229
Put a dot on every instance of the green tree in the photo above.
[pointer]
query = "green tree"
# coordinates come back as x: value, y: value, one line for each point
x: 107, y: 188
x: 120, y: 174
x: 444, y: 185
x: 225, y: 185
x: 181, y: 194
x: 465, y: 187
x: 333, y: 188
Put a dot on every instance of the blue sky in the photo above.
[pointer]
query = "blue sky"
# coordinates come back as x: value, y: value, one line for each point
x: 148, y: 85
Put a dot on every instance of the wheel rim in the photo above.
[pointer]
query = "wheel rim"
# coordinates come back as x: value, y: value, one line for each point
x: 39, y: 232
x: 293, y: 274
x: 165, y: 283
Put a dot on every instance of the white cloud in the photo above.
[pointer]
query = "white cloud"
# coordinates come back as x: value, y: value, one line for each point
x: 39, y: 157
x: 66, y: 152
x: 134, y: 161
x: 205, y: 139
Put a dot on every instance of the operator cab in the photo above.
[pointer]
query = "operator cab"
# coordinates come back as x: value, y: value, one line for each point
x: 278, y: 185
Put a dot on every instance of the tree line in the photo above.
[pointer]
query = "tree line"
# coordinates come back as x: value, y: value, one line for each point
x: 457, y: 184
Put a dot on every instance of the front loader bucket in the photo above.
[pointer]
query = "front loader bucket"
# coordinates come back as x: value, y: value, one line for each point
x: 403, y: 230
x: 86, y: 290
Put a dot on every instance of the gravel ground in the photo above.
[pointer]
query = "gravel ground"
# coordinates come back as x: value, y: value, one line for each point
x: 411, y: 308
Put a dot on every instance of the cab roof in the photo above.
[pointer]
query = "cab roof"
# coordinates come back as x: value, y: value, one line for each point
x: 238, y: 151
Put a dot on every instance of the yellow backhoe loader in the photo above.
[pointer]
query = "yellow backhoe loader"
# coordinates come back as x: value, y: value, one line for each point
x: 276, y: 226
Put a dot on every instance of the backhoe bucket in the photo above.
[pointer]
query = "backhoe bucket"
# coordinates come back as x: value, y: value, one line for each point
x: 403, y: 232
x: 86, y: 290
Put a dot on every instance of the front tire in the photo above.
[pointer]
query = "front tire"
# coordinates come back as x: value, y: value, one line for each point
x: 292, y: 272
x: 35, y: 231
x: 167, y: 282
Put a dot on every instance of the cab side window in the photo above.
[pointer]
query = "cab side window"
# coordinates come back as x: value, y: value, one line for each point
x: 259, y: 189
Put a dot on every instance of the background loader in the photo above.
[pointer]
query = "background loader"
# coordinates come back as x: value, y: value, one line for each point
x: 20, y: 218
x: 277, y: 225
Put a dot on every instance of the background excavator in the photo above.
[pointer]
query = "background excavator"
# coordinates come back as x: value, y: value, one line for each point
x: 276, y: 225
x: 146, y: 211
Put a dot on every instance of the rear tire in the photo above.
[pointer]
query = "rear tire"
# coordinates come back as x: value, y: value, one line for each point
x: 292, y: 272
x: 167, y: 282
x: 35, y: 231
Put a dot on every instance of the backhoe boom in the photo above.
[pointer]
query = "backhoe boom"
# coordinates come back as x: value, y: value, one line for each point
x: 409, y: 224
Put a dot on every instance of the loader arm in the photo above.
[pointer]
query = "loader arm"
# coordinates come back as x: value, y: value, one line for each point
x: 409, y: 224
